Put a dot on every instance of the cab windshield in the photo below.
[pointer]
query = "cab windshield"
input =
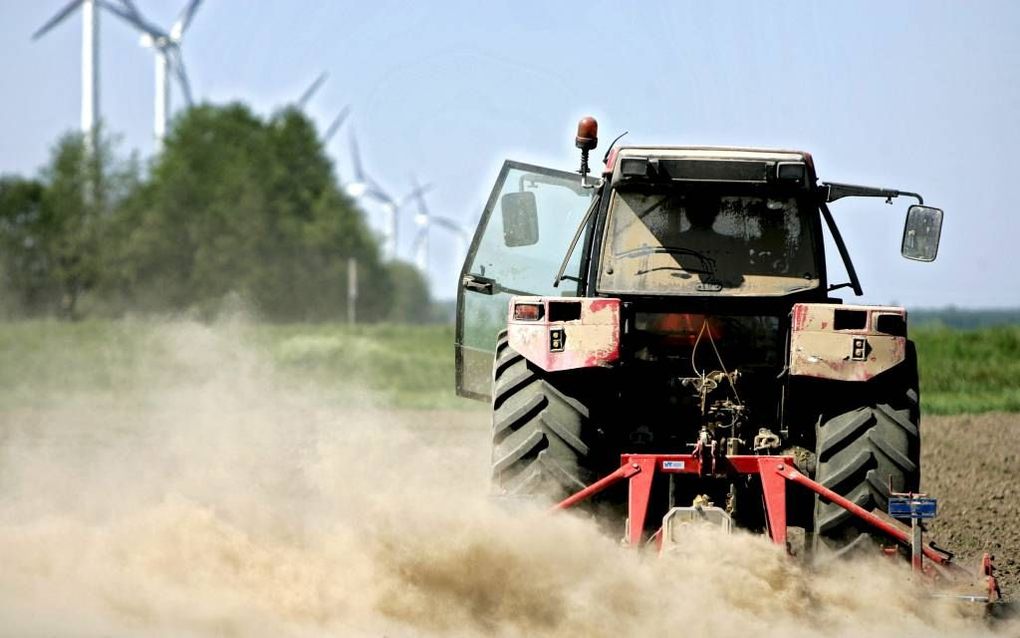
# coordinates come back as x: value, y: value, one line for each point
x: 690, y: 243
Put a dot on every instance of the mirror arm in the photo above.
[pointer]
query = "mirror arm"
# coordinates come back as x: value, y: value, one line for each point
x: 573, y: 242
x: 855, y: 283
x: 917, y: 196
x: 834, y: 191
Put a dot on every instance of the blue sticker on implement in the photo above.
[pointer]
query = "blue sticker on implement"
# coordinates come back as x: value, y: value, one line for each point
x: 674, y: 465
x: 916, y: 507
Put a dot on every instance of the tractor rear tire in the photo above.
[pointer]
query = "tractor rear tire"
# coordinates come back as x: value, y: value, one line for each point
x: 863, y: 449
x: 542, y: 433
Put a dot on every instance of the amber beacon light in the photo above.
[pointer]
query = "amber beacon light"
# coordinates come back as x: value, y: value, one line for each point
x: 587, y: 139
x: 587, y: 134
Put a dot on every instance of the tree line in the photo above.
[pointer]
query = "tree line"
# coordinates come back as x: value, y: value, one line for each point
x: 234, y: 207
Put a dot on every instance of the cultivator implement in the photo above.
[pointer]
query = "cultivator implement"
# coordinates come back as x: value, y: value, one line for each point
x: 777, y: 475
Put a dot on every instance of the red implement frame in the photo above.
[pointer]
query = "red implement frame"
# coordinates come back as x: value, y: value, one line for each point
x: 774, y: 471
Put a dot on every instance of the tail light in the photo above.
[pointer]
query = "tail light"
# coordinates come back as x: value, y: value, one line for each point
x: 684, y: 327
x: 528, y: 311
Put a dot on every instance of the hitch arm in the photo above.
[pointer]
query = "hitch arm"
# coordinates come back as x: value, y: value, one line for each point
x: 791, y: 474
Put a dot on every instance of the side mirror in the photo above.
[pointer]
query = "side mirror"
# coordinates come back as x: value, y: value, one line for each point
x: 921, y: 233
x: 520, y: 219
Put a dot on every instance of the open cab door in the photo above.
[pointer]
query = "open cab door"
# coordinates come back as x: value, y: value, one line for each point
x: 525, y: 230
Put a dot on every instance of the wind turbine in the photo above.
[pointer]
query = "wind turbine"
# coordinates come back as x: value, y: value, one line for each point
x: 392, y: 207
x: 89, y: 57
x: 364, y: 187
x: 166, y: 46
x: 425, y: 219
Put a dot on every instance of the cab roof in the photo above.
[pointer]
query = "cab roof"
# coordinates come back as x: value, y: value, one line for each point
x: 707, y: 153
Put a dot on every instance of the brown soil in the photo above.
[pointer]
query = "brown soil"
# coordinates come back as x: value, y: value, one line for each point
x: 971, y: 463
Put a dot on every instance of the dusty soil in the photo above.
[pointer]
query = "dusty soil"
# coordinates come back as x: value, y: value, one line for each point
x: 971, y: 463
x: 217, y: 499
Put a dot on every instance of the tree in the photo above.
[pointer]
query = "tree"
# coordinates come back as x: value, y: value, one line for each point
x: 238, y: 205
x: 234, y: 205
x: 409, y: 300
x: 25, y: 283
x: 52, y: 227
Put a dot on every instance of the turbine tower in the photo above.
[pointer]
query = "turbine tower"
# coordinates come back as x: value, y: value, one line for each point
x: 89, y: 57
x: 421, y: 240
x: 166, y: 45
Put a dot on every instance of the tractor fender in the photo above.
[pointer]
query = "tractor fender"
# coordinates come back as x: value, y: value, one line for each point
x: 565, y: 333
x: 846, y: 342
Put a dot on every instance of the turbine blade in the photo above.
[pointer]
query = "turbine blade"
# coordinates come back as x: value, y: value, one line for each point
x: 57, y: 19
x: 449, y: 224
x: 378, y: 194
x: 177, y: 31
x: 419, y: 195
x: 129, y: 13
x: 335, y: 125
x: 359, y: 172
x: 177, y: 64
x: 416, y: 193
x: 312, y: 89
x: 372, y: 190
x: 132, y: 8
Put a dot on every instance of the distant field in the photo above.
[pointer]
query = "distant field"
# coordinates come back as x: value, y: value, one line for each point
x: 969, y: 371
x: 43, y: 362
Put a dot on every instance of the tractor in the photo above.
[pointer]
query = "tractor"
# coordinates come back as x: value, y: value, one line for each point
x: 674, y: 317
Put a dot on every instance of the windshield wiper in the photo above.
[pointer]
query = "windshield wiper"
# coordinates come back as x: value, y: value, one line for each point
x: 707, y: 263
x: 668, y: 250
x: 573, y: 243
x: 694, y: 271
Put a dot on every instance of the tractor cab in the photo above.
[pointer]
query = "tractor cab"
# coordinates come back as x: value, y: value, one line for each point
x: 710, y: 222
x: 671, y: 232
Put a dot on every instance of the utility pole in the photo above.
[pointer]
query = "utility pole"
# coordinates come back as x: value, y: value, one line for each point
x: 352, y: 289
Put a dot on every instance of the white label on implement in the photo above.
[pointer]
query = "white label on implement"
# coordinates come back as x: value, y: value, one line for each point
x: 674, y: 465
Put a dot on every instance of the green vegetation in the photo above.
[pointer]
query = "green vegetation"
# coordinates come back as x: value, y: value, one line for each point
x: 47, y: 362
x: 401, y: 365
x: 969, y: 370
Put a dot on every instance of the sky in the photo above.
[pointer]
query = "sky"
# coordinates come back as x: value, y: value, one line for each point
x: 919, y: 96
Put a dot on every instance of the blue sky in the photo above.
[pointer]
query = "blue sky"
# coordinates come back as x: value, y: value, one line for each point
x: 914, y: 95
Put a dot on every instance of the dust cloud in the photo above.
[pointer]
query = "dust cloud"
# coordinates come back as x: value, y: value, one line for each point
x: 214, y: 496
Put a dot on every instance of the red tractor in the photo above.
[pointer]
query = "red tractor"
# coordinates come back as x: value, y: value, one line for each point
x: 674, y: 318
